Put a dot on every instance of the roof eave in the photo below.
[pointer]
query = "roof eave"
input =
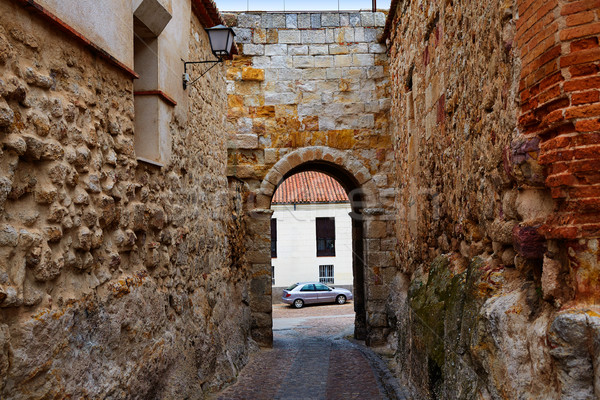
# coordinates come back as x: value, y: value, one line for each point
x: 208, y: 14
x: 389, y: 22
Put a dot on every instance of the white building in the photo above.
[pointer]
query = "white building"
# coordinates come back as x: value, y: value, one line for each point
x: 311, y: 232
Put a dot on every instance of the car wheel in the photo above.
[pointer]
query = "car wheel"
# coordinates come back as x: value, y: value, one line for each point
x: 298, y: 303
x: 341, y: 299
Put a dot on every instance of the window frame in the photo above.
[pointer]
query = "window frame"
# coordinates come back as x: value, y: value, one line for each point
x: 273, y: 237
x: 324, y: 278
x: 325, y: 236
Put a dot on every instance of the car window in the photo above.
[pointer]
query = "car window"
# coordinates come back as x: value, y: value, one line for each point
x: 320, y: 286
x: 291, y: 287
x: 308, y: 288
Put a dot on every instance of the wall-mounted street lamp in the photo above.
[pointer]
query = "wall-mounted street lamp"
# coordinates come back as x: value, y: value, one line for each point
x: 221, y: 41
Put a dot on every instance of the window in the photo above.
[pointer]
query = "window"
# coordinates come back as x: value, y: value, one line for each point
x: 326, y: 273
x: 325, y: 237
x: 272, y: 275
x: 308, y: 288
x: 322, y: 288
x: 273, y: 237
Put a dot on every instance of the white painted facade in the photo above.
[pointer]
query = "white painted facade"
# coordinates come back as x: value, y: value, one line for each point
x: 297, y: 259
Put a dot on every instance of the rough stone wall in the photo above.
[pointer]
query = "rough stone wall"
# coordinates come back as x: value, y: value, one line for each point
x: 312, y: 88
x: 117, y: 279
x: 483, y: 304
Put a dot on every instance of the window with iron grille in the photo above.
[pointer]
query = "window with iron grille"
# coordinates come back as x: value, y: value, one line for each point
x: 273, y: 237
x: 325, y: 237
x: 326, y: 273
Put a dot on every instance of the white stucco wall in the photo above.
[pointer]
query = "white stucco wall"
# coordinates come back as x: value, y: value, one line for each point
x: 107, y: 23
x: 297, y: 245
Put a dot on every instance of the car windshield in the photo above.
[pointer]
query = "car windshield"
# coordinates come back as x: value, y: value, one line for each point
x: 291, y: 287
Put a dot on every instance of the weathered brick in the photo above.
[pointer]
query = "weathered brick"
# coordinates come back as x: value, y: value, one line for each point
x: 580, y: 31
x: 590, y: 96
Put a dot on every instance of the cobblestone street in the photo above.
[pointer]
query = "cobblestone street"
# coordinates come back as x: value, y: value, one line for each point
x: 312, y: 358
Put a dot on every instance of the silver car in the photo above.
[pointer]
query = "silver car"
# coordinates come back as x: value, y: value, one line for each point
x: 314, y: 292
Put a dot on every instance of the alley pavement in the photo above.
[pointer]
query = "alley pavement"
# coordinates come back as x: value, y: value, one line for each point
x: 312, y: 359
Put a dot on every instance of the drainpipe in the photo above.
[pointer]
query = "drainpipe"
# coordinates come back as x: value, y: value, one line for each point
x: 374, y: 2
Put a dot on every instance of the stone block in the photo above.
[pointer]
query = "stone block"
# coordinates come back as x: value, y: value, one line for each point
x: 272, y: 36
x: 315, y: 21
x: 313, y: 36
x: 270, y: 74
x: 267, y: 20
x: 271, y: 156
x: 289, y: 74
x: 291, y: 21
x: 276, y: 49
x: 259, y: 36
x: 330, y: 19
x: 358, y: 48
x: 326, y: 123
x: 309, y: 108
x: 250, y: 49
x: 376, y: 229
x: 371, y: 34
x: 313, y: 73
x: 323, y: 61
x: 359, y: 34
x: 344, y: 35
x: 280, y: 98
x: 344, y: 20
x: 318, y: 49
x: 366, y: 19
x: 334, y: 73
x: 354, y: 19
x: 249, y: 20
x: 363, y: 60
x: 243, y: 35
x: 379, y: 19
x: 303, y: 21
x: 298, y: 50
x: 335, y: 49
x: 261, y: 62
x: 243, y: 141
x: 329, y: 35
x: 289, y: 36
x: 377, y: 48
x: 354, y: 72
x: 343, y: 60
x: 253, y: 74
x: 279, y: 21
x: 303, y: 62
x: 281, y: 62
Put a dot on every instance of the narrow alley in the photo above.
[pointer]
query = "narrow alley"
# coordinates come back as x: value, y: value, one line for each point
x: 314, y: 357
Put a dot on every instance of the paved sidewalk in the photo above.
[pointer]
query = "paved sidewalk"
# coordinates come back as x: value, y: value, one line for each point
x: 311, y: 360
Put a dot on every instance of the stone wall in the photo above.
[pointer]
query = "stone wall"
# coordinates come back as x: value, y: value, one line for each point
x: 484, y: 303
x: 117, y: 278
x: 311, y: 90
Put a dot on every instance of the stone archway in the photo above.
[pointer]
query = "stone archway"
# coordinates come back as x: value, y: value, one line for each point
x: 371, y: 224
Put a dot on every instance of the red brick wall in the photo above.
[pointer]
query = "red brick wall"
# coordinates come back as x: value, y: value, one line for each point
x: 560, y: 104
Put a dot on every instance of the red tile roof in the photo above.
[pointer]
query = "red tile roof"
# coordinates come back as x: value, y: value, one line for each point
x: 310, y: 187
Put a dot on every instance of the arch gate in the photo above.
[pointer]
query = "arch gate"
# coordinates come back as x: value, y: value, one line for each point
x: 310, y: 91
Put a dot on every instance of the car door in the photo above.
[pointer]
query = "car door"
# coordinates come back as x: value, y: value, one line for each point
x: 325, y: 293
x: 309, y: 294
